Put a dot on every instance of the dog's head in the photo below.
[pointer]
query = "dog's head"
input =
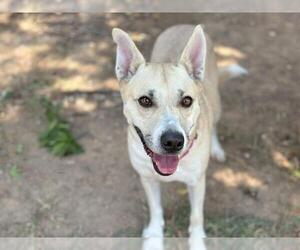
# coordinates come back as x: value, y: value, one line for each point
x: 162, y: 101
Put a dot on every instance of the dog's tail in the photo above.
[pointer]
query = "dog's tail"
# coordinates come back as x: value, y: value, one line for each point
x: 231, y: 71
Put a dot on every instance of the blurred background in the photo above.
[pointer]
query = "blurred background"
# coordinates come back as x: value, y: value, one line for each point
x: 64, y: 168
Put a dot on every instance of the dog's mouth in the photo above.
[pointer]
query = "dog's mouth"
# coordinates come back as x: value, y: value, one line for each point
x: 165, y: 164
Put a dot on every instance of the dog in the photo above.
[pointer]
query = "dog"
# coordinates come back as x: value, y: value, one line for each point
x: 172, y: 106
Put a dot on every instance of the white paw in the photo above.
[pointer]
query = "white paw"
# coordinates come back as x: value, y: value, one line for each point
x: 197, y: 232
x: 217, y: 152
x: 153, y: 231
x: 196, y: 240
x: 153, y: 243
x: 196, y: 244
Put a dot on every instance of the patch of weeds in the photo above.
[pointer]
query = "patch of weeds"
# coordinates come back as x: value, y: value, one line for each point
x: 6, y: 94
x: 177, y: 224
x: 243, y: 226
x: 296, y: 173
x: 15, y: 172
x: 57, y: 137
x: 232, y: 226
x: 289, y: 225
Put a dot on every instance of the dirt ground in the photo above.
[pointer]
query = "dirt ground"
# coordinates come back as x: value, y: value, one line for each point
x: 70, y: 59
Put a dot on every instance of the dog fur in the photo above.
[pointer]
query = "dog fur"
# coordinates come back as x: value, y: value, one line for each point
x: 182, y: 64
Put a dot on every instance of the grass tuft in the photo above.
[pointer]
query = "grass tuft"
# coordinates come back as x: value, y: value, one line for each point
x: 232, y: 226
x: 57, y: 137
x: 15, y: 172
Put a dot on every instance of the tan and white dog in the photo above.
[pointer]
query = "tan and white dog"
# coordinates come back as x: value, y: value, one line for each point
x: 172, y: 106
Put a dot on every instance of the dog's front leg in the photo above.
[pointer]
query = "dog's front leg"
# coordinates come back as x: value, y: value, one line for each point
x: 196, y: 230
x: 156, y: 224
x: 153, y: 234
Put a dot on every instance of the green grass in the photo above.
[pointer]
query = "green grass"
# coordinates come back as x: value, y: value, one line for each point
x: 241, y: 226
x: 227, y: 226
x: 296, y: 173
x: 6, y: 94
x: 250, y: 226
x: 232, y: 226
x: 15, y: 172
x: 57, y: 137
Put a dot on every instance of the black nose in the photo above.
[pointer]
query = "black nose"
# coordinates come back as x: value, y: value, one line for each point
x: 172, y: 141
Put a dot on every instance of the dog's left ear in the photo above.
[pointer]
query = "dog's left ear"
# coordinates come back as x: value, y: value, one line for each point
x: 129, y: 58
x: 194, y: 54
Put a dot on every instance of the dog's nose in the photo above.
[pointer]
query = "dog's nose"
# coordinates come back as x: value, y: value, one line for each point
x: 172, y: 141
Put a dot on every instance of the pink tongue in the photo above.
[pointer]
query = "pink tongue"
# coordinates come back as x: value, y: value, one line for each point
x: 167, y: 164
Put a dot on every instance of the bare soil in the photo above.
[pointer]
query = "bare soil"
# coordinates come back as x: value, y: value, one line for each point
x: 70, y: 58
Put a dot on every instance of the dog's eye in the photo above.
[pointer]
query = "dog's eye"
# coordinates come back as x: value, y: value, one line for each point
x: 145, y: 102
x: 186, y: 102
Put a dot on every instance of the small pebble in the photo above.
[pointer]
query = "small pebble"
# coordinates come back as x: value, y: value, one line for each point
x: 272, y: 33
x: 70, y: 162
x: 247, y: 155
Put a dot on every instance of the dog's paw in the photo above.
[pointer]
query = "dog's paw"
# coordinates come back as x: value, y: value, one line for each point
x: 153, y: 237
x: 196, y: 244
x: 153, y: 232
x: 217, y: 152
x: 153, y: 243
x: 196, y: 239
x: 197, y: 232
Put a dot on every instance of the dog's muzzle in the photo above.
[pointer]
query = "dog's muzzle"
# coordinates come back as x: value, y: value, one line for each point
x: 166, y: 164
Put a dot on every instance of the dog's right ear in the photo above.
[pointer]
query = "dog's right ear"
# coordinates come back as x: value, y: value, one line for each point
x: 129, y: 58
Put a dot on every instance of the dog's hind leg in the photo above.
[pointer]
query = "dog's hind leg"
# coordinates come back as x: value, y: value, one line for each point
x: 196, y: 229
x: 216, y: 151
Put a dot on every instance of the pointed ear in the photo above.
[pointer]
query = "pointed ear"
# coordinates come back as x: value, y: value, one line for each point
x: 194, y: 54
x: 129, y: 58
